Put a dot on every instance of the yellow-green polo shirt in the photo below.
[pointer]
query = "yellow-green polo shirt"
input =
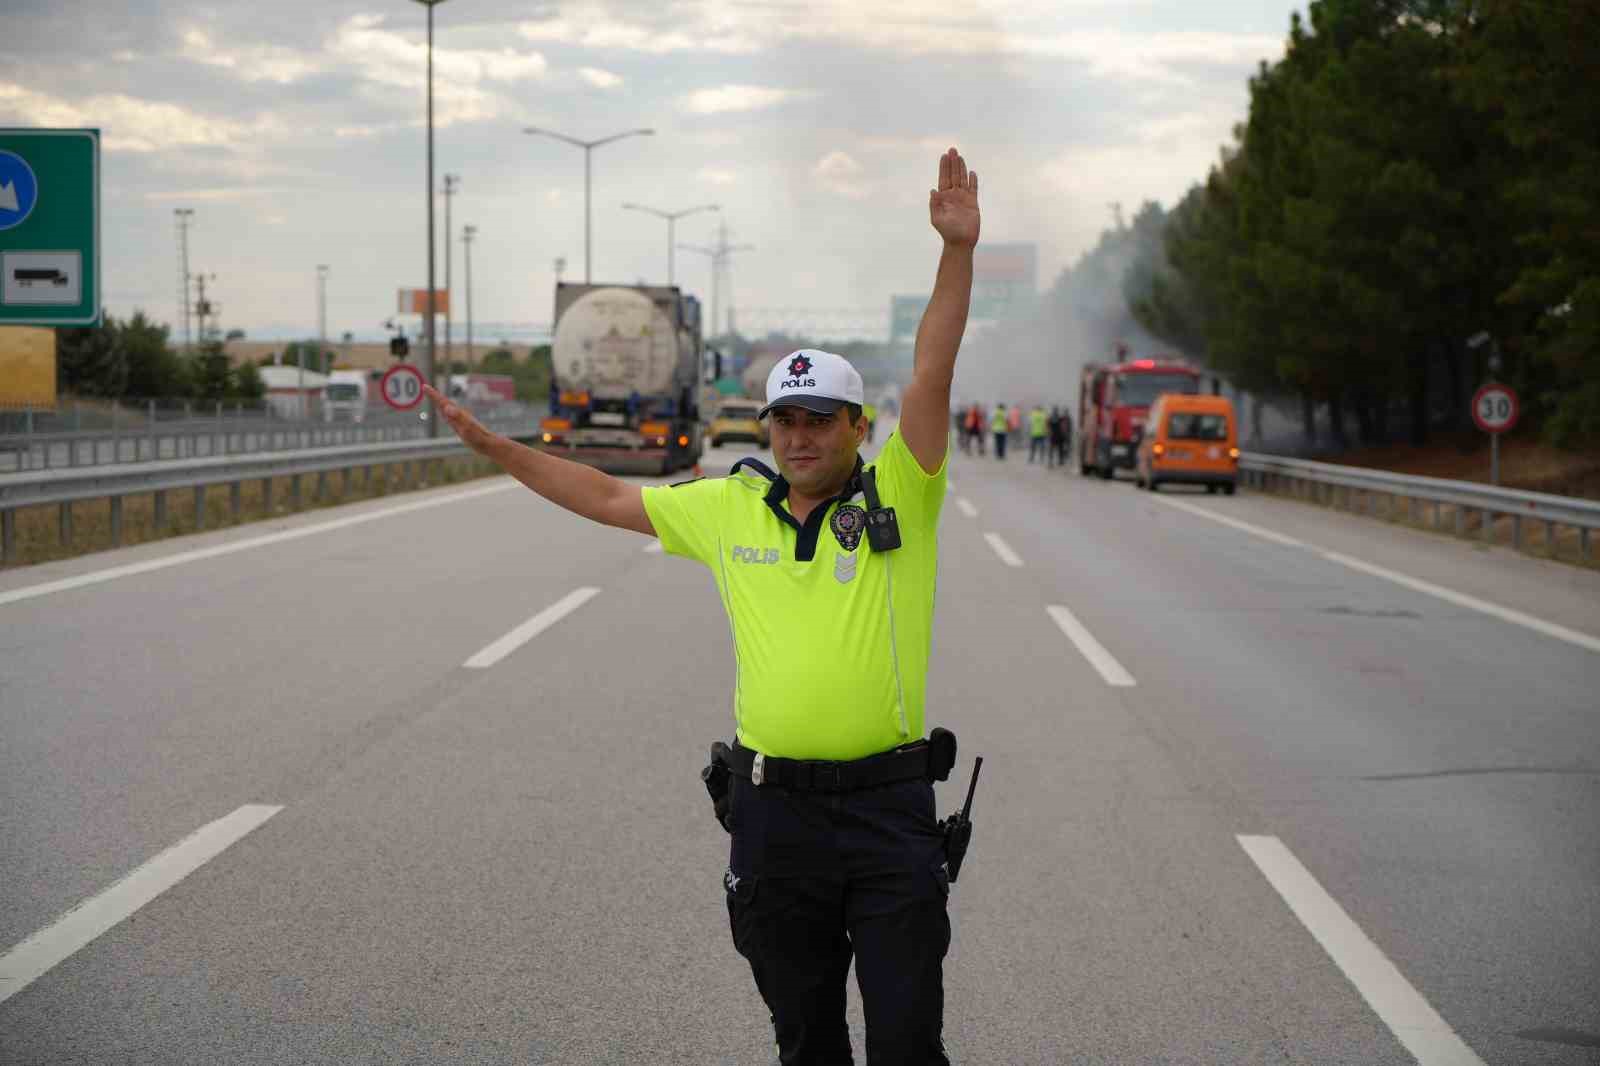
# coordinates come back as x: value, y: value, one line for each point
x: 831, y: 652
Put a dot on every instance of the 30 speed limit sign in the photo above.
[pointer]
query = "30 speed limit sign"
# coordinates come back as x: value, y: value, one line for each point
x: 402, y: 387
x: 1494, y: 408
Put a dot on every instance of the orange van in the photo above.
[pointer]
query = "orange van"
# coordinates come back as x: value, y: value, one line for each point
x: 1189, y: 440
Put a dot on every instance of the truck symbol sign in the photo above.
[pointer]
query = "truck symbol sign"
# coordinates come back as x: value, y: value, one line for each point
x: 29, y: 278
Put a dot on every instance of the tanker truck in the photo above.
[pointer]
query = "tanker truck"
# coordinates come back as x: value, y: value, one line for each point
x: 626, y: 362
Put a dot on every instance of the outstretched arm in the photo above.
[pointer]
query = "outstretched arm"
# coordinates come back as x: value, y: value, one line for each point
x: 925, y: 413
x: 582, y: 490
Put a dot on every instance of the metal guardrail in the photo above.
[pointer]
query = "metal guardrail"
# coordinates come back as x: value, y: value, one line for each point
x: 1361, y: 489
x: 64, y: 487
x: 31, y: 441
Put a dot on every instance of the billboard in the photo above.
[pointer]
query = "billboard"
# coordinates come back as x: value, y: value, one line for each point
x: 27, y: 366
x: 1005, y: 280
x: 415, y: 302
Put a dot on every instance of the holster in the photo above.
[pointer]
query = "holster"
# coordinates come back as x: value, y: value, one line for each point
x: 718, y: 781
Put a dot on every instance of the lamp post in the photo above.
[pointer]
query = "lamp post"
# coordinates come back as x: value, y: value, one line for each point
x: 672, y: 218
x: 588, y: 149
x: 451, y: 183
x: 427, y: 358
x: 467, y: 233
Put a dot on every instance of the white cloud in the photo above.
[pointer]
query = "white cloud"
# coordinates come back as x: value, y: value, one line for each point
x: 736, y: 98
x: 282, y: 66
x: 593, y: 26
x: 716, y: 176
x: 237, y: 192
x: 1030, y: 28
x: 388, y: 60
x: 129, y: 124
x: 841, y: 174
x: 600, y: 79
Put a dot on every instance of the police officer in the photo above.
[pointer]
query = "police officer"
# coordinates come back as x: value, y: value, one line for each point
x: 826, y: 569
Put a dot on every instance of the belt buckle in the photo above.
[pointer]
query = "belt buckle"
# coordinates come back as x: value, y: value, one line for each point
x: 758, y: 769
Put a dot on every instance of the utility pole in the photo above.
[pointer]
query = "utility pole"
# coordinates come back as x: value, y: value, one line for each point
x: 451, y: 181
x: 428, y: 323
x: 560, y: 267
x: 721, y: 254
x: 322, y: 316
x: 467, y: 233
x: 183, y: 215
x: 202, y: 306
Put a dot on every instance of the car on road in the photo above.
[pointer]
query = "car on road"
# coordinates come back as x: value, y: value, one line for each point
x: 736, y: 420
x: 1189, y: 440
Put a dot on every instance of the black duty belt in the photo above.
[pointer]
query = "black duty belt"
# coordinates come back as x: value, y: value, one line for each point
x: 906, y: 763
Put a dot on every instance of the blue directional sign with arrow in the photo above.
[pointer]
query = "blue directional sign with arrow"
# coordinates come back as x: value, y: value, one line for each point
x: 49, y: 227
x: 19, y: 190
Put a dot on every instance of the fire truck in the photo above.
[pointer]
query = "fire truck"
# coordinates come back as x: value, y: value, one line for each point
x: 1113, y: 400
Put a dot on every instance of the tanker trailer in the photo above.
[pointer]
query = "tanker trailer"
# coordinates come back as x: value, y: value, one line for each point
x: 626, y: 362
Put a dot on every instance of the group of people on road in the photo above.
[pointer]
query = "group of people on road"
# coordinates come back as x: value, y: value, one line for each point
x: 1049, y: 432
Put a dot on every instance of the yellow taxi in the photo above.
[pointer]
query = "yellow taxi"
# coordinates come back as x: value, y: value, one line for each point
x: 1189, y: 440
x: 736, y: 420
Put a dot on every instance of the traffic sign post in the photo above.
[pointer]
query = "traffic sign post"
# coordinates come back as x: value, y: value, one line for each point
x: 1494, y: 409
x: 49, y: 227
x: 401, y: 386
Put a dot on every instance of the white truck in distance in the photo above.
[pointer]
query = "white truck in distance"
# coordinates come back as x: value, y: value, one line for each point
x: 346, y: 395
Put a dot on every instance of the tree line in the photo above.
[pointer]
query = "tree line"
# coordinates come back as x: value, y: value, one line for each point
x: 133, y: 358
x: 1411, y: 174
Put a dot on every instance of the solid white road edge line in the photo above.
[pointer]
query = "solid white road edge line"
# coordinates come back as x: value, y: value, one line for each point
x: 531, y: 628
x: 1103, y: 661
x: 966, y: 507
x: 1460, y: 599
x: 42, y: 951
x: 65, y: 584
x: 1002, y: 549
x: 1277, y: 538
x: 1414, y: 1023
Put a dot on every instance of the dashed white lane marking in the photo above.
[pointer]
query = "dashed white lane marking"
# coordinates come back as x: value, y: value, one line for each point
x: 1414, y: 1023
x: 1460, y: 599
x: 42, y: 951
x: 966, y: 507
x: 30, y: 591
x: 531, y: 628
x: 653, y: 548
x: 1002, y: 549
x: 1103, y: 661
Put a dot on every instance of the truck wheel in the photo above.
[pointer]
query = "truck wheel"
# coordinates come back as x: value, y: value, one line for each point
x: 1228, y: 489
x: 1105, y: 473
x: 1152, y: 486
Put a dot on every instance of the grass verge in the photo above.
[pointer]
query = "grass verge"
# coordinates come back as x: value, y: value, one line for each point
x: 39, y: 532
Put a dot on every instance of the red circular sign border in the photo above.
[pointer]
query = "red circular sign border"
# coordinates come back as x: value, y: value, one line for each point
x: 407, y: 368
x: 1516, y: 407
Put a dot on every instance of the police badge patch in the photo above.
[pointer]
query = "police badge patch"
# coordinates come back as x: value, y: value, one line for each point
x: 848, y: 523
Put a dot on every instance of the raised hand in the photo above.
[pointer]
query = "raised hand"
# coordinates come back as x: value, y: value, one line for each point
x: 953, y: 206
x: 469, y: 429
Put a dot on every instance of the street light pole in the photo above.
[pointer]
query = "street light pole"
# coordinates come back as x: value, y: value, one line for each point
x: 588, y: 147
x: 451, y: 181
x: 467, y: 233
x: 428, y: 325
x: 672, y: 218
x: 184, y: 214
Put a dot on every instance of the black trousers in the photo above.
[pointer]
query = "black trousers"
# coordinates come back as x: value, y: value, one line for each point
x: 816, y: 879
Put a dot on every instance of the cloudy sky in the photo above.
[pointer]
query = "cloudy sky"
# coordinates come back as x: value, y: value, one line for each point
x: 295, y: 131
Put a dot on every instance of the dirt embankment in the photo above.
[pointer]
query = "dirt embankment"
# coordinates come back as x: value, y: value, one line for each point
x: 1525, y: 463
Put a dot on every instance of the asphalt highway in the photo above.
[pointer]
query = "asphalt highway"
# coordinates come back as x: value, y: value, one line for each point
x: 415, y: 780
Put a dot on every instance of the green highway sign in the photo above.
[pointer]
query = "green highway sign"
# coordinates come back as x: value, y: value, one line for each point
x: 49, y: 227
